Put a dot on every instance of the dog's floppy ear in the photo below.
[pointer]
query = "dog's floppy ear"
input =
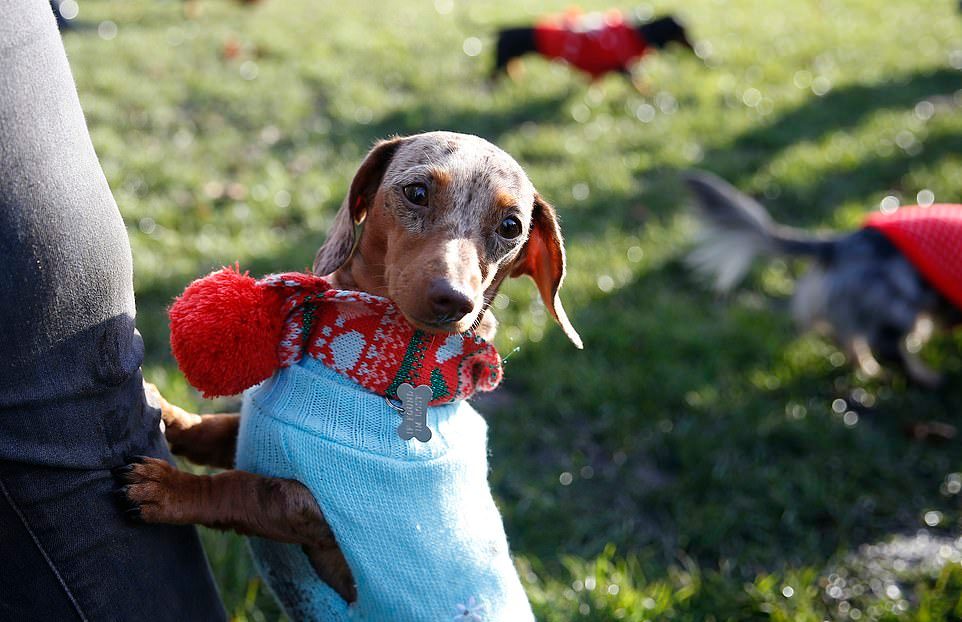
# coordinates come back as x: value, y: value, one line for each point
x: 343, y: 237
x: 543, y: 259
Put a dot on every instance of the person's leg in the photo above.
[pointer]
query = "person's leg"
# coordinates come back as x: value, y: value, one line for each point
x: 69, y: 354
x: 22, y: 557
x: 71, y: 395
x: 69, y: 538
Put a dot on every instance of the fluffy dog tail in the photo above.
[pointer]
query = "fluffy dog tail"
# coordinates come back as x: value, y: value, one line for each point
x: 735, y: 229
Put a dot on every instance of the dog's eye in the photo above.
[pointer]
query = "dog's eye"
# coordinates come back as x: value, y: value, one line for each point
x: 510, y: 228
x: 416, y: 193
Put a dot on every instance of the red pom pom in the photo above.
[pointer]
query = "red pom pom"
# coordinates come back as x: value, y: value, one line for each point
x: 225, y: 330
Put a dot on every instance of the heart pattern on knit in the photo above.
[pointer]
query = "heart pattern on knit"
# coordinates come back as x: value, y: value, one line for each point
x: 346, y: 350
x: 453, y: 346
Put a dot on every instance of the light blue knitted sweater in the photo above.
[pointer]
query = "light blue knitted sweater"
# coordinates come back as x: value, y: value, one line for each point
x: 416, y: 521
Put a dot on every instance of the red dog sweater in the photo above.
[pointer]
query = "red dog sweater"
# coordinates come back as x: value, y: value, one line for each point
x: 595, y: 43
x: 931, y: 239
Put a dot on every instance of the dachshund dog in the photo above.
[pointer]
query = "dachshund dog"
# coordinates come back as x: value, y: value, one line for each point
x: 595, y: 43
x: 447, y: 218
x: 876, y: 290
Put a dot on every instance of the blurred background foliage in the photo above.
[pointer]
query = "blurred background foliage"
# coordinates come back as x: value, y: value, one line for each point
x: 699, y: 460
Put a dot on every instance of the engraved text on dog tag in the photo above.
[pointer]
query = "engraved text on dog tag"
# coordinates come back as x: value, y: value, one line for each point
x: 414, y: 409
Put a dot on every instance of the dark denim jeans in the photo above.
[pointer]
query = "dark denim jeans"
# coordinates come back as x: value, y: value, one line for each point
x: 67, y: 553
x: 71, y: 398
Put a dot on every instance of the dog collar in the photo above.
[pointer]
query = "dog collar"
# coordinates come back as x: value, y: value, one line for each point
x: 366, y: 338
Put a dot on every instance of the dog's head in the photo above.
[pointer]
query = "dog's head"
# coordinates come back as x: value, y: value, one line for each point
x: 446, y: 218
x: 665, y: 30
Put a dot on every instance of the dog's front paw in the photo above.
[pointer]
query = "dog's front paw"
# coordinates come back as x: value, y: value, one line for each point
x: 146, y: 490
x: 211, y: 441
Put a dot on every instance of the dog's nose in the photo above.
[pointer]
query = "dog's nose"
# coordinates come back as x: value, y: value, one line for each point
x: 447, y: 303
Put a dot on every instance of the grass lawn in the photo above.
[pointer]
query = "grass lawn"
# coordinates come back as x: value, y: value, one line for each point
x: 699, y: 460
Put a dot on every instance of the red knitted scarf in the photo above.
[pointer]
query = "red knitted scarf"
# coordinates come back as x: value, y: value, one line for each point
x: 229, y: 332
x: 595, y: 43
x: 931, y: 239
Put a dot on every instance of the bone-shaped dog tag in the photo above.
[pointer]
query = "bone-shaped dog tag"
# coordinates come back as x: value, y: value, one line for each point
x: 414, y: 409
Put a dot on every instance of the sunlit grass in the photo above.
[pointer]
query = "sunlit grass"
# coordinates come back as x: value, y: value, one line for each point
x: 699, y: 454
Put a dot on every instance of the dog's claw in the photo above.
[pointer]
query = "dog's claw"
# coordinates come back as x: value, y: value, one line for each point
x: 128, y: 506
x: 120, y: 471
x: 136, y: 487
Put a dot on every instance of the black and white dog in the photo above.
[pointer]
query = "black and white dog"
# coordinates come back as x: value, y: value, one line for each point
x: 870, y: 288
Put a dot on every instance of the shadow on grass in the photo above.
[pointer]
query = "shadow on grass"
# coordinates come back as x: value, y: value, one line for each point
x: 840, y: 110
x: 661, y: 192
x: 732, y: 454
x: 728, y: 454
x: 668, y: 445
x: 863, y: 179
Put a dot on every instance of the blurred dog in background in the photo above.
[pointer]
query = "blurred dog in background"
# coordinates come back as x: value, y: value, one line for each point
x: 596, y: 43
x: 876, y: 290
